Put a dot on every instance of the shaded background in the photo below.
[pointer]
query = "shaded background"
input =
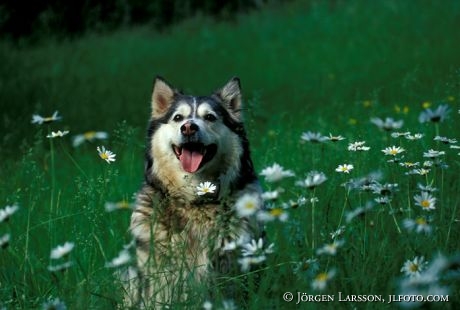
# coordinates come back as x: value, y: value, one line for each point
x: 94, y: 61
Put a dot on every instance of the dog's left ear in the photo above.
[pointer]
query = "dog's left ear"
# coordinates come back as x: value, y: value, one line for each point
x: 230, y: 95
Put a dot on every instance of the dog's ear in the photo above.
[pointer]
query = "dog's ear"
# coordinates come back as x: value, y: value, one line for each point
x: 230, y: 95
x: 162, y: 97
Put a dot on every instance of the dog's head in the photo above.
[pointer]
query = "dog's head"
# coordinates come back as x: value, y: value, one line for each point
x: 198, y: 136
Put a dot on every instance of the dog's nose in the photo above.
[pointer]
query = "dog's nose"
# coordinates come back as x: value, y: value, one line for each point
x: 189, y: 128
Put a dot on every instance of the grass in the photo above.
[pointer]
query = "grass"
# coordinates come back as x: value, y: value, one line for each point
x: 322, y: 67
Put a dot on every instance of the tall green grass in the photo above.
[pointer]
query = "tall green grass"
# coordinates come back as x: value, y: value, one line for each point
x: 324, y: 67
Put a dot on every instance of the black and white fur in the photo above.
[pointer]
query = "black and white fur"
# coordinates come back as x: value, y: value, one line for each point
x: 180, y: 235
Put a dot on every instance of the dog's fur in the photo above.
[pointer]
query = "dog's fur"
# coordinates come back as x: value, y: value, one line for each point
x: 179, y: 235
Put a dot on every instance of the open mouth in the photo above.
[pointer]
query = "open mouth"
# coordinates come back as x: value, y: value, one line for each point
x: 193, y: 156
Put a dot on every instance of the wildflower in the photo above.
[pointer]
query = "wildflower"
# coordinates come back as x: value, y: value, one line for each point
x: 313, y: 137
x: 399, y: 134
x: 7, y: 212
x: 60, y: 267
x: 37, y: 119
x: 383, y: 200
x: 272, y: 195
x: 335, y: 138
x: 247, y: 205
x: 254, y: 253
x: 62, y: 250
x: 337, y: 232
x: 272, y: 214
x: 205, y: 188
x: 276, y: 173
x: 388, y: 124
x: 427, y: 164
x: 409, y: 164
x: 345, y: 168
x: 421, y: 171
x: 427, y: 188
x: 112, y: 206
x: 308, y: 266
x: 435, y: 116
x: 416, y: 136
x: 228, y: 305
x: 393, y: 150
x: 433, y: 153
x: 331, y: 248
x: 383, y: 189
x: 445, y: 140
x: 321, y: 280
x: 207, y: 305
x: 358, y: 212
x: 122, y: 259
x: 358, y: 146
x: 89, y: 136
x: 426, y: 201
x: 57, y: 134
x: 5, y: 241
x: 419, y: 225
x: 414, y: 267
x: 312, y: 180
x: 254, y: 248
x: 106, y: 155
x: 54, y: 304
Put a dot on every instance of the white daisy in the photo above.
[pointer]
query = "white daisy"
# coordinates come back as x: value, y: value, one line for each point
x: 435, y: 116
x: 321, y: 280
x: 122, y: 259
x: 358, y: 146
x: 5, y: 241
x: 314, y: 137
x: 335, y: 138
x: 426, y: 201
x: 205, y: 188
x: 388, y: 124
x: 247, y: 205
x: 276, y: 173
x: 106, y: 155
x: 54, y: 304
x: 414, y: 267
x: 57, y: 134
x: 416, y: 136
x: 272, y: 214
x: 345, y: 168
x: 419, y: 225
x: 112, y: 206
x: 60, y: 267
x: 62, y: 250
x: 393, y: 150
x: 7, y: 212
x: 433, y: 154
x: 331, y: 248
x: 271, y: 195
x: 445, y: 140
x: 37, y: 119
x: 313, y: 179
x: 89, y: 136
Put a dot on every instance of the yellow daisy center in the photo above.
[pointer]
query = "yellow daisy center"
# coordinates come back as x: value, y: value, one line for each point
x: 276, y: 212
x: 104, y: 156
x: 250, y: 205
x: 89, y: 135
x: 393, y: 151
x: 425, y: 203
x: 322, y: 277
x: 413, y: 267
x: 420, y: 221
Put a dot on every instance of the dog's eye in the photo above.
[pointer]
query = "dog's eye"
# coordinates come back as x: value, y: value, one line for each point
x: 210, y: 117
x: 178, y: 118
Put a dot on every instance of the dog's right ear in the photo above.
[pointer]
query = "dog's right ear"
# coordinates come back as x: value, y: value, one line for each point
x: 162, y: 97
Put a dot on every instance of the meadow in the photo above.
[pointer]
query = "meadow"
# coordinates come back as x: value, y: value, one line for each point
x: 373, y: 214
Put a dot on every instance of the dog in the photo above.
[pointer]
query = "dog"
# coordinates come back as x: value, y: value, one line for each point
x: 179, y: 235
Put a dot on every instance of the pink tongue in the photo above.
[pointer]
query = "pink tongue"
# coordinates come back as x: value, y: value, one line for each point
x: 190, y: 160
